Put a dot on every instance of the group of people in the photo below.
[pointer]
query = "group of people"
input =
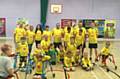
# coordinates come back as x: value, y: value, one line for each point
x: 60, y: 45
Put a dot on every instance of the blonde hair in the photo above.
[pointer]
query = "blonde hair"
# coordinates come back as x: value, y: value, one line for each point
x: 5, y: 47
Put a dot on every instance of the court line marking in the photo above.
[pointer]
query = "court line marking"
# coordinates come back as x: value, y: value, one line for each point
x: 109, y: 77
x: 93, y: 73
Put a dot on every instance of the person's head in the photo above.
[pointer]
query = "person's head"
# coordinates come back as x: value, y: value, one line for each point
x: 93, y: 24
x: 6, y: 49
x: 31, y: 28
x: 39, y: 57
x: 58, y: 25
x: 38, y: 46
x: 107, y: 44
x: 80, y: 31
x: 51, y: 46
x: 20, y: 25
x: 27, y: 27
x: 38, y: 27
x: 69, y: 24
x: 47, y: 28
x: 69, y: 54
x: 46, y: 38
x: 69, y: 29
x: 80, y: 23
x: 23, y: 39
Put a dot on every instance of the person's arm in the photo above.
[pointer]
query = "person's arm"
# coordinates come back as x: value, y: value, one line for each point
x: 9, y: 67
x: 46, y: 58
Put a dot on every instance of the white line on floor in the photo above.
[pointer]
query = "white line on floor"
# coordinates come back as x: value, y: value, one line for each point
x: 94, y: 75
x: 109, y: 77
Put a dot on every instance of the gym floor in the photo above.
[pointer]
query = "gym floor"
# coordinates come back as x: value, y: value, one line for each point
x: 97, y: 73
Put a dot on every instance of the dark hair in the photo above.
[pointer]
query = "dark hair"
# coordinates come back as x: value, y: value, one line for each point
x: 68, y: 28
x: 47, y: 26
x: 40, y: 28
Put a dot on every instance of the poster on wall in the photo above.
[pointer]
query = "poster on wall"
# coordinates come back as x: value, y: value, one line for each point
x: 106, y: 28
x: 110, y: 28
x: 64, y: 22
x: 2, y: 27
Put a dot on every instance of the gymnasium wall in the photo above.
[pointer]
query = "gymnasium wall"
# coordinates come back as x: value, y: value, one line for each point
x: 14, y: 9
x: 82, y: 9
x: 77, y: 9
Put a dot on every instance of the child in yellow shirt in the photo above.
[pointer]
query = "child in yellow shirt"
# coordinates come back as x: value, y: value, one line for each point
x: 38, y: 50
x: 40, y: 68
x: 86, y: 63
x: 68, y: 61
x: 23, y: 51
x: 45, y: 43
x: 105, y: 54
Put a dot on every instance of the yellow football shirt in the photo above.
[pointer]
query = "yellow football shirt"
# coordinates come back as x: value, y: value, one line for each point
x: 19, y: 32
x: 105, y: 51
x: 38, y: 35
x: 45, y: 45
x: 30, y: 37
x: 57, y: 34
x: 23, y: 49
x: 92, y: 35
x: 79, y: 39
x: 47, y: 33
x: 40, y: 65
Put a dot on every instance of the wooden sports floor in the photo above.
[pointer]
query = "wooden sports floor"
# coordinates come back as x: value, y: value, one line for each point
x: 97, y: 73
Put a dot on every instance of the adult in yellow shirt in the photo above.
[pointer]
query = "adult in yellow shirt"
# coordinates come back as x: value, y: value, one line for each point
x: 92, y: 36
x: 57, y: 36
x: 40, y: 66
x: 23, y: 51
x: 38, y: 34
x: 18, y: 33
x: 47, y: 33
x: 30, y: 38
x: 79, y: 39
x: 45, y: 43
